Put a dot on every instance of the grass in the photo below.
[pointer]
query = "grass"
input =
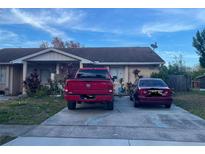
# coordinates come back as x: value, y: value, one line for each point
x: 5, y: 139
x: 193, y: 101
x: 29, y: 110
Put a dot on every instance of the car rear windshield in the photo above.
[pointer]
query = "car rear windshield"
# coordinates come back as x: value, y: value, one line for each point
x: 95, y: 74
x: 152, y: 83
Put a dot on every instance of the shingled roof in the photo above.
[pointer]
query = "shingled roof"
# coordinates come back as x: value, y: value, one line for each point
x: 101, y: 54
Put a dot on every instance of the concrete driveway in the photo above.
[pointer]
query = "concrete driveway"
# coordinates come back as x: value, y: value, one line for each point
x: 125, y: 125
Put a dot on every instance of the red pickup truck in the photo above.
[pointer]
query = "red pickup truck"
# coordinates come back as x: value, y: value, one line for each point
x: 90, y: 85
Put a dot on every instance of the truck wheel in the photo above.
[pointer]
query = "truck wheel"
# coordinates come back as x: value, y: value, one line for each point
x: 71, y: 105
x: 110, y: 105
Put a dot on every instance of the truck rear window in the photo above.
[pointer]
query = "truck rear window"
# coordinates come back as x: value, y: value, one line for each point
x: 95, y: 74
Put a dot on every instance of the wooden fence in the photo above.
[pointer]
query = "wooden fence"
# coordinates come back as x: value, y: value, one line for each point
x: 179, y: 82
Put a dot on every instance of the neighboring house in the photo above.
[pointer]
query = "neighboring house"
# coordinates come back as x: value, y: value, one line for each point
x: 17, y: 63
x: 201, y: 80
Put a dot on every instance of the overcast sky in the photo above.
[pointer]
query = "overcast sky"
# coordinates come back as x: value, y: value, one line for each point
x: 172, y: 29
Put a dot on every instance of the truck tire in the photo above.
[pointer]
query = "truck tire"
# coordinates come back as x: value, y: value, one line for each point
x: 71, y: 105
x: 110, y: 105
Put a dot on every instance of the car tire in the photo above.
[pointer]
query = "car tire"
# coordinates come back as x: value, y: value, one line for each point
x: 131, y: 98
x: 136, y: 103
x: 71, y: 105
x: 168, y: 106
x: 110, y: 105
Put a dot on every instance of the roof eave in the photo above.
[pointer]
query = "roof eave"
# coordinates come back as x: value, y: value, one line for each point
x: 130, y: 63
x: 5, y: 63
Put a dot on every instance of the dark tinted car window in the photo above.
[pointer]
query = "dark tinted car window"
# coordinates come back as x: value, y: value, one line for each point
x: 97, y: 74
x: 152, y: 83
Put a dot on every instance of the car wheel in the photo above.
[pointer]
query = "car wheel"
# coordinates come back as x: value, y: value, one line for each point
x: 131, y: 98
x: 71, y: 105
x: 110, y: 105
x: 136, y: 103
x: 168, y: 106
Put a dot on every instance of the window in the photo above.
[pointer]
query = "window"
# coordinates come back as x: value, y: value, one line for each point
x: 152, y: 83
x: 2, y: 74
x: 99, y: 74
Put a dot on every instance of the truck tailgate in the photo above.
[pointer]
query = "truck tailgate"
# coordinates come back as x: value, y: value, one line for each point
x: 89, y: 87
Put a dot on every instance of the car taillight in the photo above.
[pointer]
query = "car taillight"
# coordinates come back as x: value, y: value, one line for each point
x: 166, y: 92
x: 143, y: 92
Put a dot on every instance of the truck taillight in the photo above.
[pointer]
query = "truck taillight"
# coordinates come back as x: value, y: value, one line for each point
x: 110, y: 90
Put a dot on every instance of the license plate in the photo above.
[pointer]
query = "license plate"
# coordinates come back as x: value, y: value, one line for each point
x: 87, y: 97
x: 156, y: 91
x: 90, y: 96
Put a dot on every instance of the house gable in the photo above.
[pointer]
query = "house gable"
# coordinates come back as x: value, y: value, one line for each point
x: 51, y: 53
x: 51, y: 56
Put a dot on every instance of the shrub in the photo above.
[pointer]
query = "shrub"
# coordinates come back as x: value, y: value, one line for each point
x: 163, y: 73
x: 56, y: 88
x: 32, y: 83
x: 42, y: 91
x: 129, y: 88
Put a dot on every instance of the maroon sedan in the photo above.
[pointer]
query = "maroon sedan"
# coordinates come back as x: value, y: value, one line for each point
x: 152, y: 91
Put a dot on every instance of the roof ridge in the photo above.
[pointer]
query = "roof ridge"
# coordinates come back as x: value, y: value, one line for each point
x: 83, y: 47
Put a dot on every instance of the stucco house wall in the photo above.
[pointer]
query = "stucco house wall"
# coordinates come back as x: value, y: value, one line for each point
x: 145, y: 71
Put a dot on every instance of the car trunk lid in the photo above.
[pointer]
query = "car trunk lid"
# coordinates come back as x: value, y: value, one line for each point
x: 155, y: 92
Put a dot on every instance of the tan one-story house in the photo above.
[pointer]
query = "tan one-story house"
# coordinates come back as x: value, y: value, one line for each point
x: 17, y: 63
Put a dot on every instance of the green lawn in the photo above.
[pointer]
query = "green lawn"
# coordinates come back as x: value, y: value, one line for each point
x: 193, y: 101
x: 5, y: 139
x: 29, y: 110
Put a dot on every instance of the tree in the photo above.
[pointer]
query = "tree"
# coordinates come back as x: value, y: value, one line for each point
x: 199, y: 44
x: 57, y: 43
x: 163, y: 73
x: 197, y: 71
x: 177, y: 67
x: 44, y: 44
x: 72, y: 44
